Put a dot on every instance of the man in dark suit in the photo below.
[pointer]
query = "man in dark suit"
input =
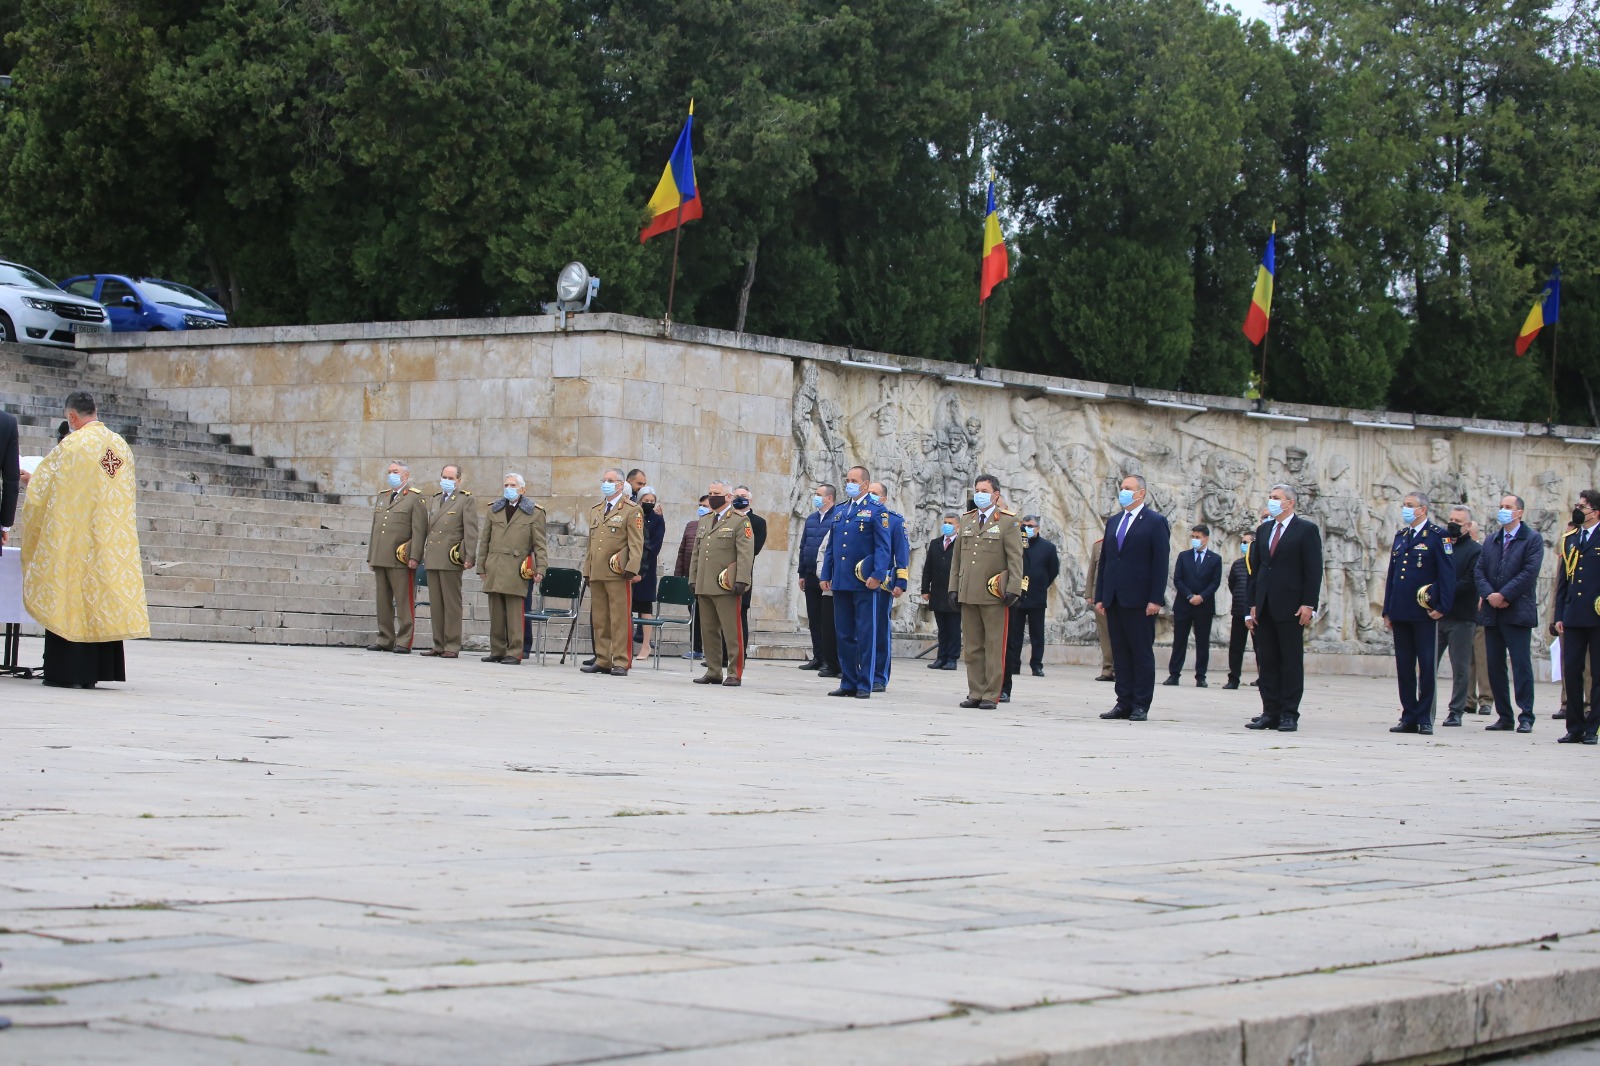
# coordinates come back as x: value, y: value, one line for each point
x: 10, y: 475
x: 1286, y: 559
x: 1041, y: 565
x: 1130, y: 592
x: 1508, y: 579
x: 935, y: 580
x: 819, y: 609
x: 1195, y: 580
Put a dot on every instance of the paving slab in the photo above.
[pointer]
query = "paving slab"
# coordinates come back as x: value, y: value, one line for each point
x: 315, y: 854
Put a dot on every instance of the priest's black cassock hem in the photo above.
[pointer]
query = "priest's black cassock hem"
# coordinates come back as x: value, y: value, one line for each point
x: 69, y: 662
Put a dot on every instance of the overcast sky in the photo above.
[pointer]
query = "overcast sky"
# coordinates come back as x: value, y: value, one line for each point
x: 1252, y: 9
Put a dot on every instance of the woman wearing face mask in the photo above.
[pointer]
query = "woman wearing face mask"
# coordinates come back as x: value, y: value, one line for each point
x: 644, y: 583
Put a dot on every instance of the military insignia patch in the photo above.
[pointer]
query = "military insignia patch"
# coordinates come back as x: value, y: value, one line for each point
x: 749, y: 534
x: 885, y: 521
x: 1448, y: 550
x: 638, y: 521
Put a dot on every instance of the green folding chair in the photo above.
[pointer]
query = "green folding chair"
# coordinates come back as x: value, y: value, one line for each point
x: 558, y: 583
x: 670, y: 592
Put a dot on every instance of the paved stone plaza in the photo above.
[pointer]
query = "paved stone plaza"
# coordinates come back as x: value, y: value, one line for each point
x: 252, y: 855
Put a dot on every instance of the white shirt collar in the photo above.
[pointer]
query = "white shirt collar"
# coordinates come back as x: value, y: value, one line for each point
x: 1131, y: 515
x: 1510, y: 531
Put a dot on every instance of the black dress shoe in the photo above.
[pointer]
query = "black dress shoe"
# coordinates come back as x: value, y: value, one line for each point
x: 707, y: 679
x: 378, y: 647
x: 1142, y: 715
x: 1425, y: 730
x: 1403, y: 727
x: 491, y: 658
x: 987, y: 705
x: 618, y: 671
x: 830, y: 672
x: 950, y: 666
x: 1453, y: 719
x: 1231, y: 685
x: 589, y: 661
x: 1560, y: 715
x: 1499, y: 727
x: 590, y: 668
x: 937, y: 664
x: 970, y: 704
x: 811, y: 664
x: 511, y: 660
x: 1261, y: 723
x: 1570, y: 738
x: 402, y: 651
x: 731, y: 682
x: 1115, y: 713
x: 1200, y: 682
x: 1005, y: 697
x: 843, y: 692
x: 1524, y: 727
x: 860, y: 695
x: 1171, y: 681
x: 1038, y: 671
x: 880, y: 688
x: 1288, y: 727
x: 1106, y: 677
x: 1591, y: 738
x: 1256, y: 683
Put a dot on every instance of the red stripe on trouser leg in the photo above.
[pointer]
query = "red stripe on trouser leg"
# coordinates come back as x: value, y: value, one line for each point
x: 1005, y: 643
x: 411, y: 606
x: 738, y: 629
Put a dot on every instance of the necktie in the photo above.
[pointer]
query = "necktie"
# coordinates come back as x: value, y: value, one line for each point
x: 1277, y: 531
x: 1583, y: 541
x: 1198, y: 558
x: 1122, y: 529
x: 982, y: 518
x: 1506, y: 543
x: 947, y: 543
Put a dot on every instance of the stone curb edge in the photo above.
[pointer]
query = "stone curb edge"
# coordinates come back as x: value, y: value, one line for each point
x: 1442, y: 1009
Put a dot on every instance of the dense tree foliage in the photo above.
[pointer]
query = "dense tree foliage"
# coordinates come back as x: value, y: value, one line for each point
x: 1427, y: 163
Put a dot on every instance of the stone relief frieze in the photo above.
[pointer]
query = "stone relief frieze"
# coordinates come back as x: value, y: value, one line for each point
x: 1063, y: 459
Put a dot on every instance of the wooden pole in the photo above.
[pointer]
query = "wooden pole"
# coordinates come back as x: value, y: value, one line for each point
x: 672, y: 285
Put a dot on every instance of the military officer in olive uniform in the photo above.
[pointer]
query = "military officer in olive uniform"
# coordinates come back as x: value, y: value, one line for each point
x: 511, y: 552
x: 399, y: 528
x: 1420, y: 588
x: 855, y: 564
x: 452, y: 540
x: 1578, y: 620
x: 616, y: 548
x: 724, y: 558
x: 986, y: 577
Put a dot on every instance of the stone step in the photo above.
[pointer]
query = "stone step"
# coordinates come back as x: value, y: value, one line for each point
x: 176, y: 532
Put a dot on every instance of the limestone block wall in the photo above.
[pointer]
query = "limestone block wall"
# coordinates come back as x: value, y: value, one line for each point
x: 560, y: 405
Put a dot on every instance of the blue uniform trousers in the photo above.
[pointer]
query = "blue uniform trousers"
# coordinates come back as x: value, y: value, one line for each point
x: 880, y: 650
x: 1580, y: 651
x: 1514, y: 642
x: 1416, y: 658
x: 854, y: 618
x: 1133, y: 651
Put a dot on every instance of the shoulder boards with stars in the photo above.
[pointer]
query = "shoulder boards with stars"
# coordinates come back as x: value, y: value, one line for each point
x: 965, y: 513
x: 417, y: 491
x: 1012, y: 514
x: 464, y: 492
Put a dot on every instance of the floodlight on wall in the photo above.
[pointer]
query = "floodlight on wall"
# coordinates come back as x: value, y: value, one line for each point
x: 574, y: 290
x: 882, y: 368
x: 1582, y: 440
x: 1273, y: 416
x: 1176, y: 406
x: 957, y: 379
x: 1485, y: 431
x: 1403, y: 427
x: 1082, y: 394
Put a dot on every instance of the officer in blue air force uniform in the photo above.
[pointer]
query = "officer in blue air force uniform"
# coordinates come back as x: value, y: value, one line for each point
x: 891, y: 591
x: 1578, y: 620
x: 1420, y: 588
x: 855, y: 564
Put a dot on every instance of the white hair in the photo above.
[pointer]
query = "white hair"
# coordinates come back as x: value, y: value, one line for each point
x: 648, y: 491
x: 514, y: 476
x: 402, y: 464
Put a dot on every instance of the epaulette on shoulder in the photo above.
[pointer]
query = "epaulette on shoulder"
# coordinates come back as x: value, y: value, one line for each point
x: 417, y: 491
x: 972, y: 511
x: 464, y: 492
x: 1003, y: 511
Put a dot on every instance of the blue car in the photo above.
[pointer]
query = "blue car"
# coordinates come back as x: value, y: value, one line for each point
x: 142, y: 305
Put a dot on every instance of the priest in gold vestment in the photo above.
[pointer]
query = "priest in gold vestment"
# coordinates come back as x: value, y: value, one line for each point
x: 81, y: 577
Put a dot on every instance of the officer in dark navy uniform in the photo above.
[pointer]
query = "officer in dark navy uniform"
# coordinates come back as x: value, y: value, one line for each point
x: 1420, y: 588
x: 855, y: 564
x: 1578, y: 619
x: 891, y: 591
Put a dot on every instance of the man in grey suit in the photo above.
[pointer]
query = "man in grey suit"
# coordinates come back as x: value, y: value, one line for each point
x: 1508, y: 589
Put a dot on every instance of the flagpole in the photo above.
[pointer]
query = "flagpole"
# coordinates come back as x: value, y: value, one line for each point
x: 983, y: 314
x: 672, y: 284
x: 1555, y: 341
x: 1261, y: 382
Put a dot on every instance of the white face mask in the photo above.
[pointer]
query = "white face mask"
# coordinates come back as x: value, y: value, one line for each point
x: 1194, y: 542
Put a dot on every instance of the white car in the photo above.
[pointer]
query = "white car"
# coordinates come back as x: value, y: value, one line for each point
x: 33, y: 310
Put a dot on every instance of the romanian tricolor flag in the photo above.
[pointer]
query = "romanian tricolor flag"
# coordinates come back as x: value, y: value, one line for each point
x: 1546, y: 312
x: 677, y: 198
x: 1260, y: 313
x: 995, y: 266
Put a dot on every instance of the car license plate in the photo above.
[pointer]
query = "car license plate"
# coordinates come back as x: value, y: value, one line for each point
x: 88, y: 327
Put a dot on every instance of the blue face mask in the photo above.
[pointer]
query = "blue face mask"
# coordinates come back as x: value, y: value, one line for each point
x: 874, y: 497
x: 1274, y: 508
x: 510, y: 493
x: 394, y: 481
x: 447, y: 485
x: 702, y: 510
x: 1194, y: 542
x: 1408, y: 515
x: 816, y: 502
x: 1504, y: 516
x: 851, y: 489
x: 948, y: 530
x: 982, y: 500
x: 1125, y: 498
x: 1244, y: 549
x: 1029, y: 532
x: 608, y: 489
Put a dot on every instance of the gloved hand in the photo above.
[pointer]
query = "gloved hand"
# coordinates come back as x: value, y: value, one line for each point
x: 740, y: 588
x: 955, y: 601
x: 1010, y: 599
